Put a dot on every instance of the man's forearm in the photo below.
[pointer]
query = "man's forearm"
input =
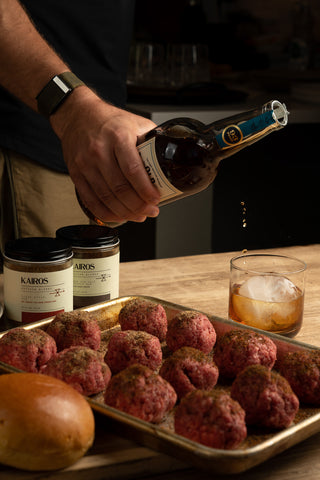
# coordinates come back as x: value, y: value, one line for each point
x: 98, y: 140
x: 27, y: 61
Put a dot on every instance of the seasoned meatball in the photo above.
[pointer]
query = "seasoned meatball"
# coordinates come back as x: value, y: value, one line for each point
x: 266, y: 397
x: 80, y: 367
x: 188, y: 369
x: 302, y: 370
x: 26, y: 349
x: 191, y: 329
x: 143, y: 314
x: 211, y: 418
x: 76, y: 328
x: 130, y: 346
x: 237, y: 349
x: 140, y: 392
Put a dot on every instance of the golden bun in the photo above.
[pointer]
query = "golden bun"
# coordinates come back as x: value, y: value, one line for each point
x: 45, y: 424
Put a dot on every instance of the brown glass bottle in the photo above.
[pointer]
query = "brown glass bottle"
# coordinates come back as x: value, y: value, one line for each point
x: 181, y: 155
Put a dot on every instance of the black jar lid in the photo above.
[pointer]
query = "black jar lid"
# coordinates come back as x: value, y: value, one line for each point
x: 38, y: 249
x: 89, y: 236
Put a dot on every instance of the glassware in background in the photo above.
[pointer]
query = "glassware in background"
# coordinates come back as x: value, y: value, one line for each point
x: 147, y: 65
x: 267, y: 292
x: 187, y: 64
x: 171, y: 65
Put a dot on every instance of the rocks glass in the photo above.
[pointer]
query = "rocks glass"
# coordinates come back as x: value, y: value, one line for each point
x: 267, y: 292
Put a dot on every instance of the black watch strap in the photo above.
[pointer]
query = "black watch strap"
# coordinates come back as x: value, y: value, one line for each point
x: 56, y: 91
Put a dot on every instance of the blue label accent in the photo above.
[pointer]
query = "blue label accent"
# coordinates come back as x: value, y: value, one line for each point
x: 234, y: 134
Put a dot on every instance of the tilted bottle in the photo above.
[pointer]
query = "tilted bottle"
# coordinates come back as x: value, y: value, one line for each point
x: 181, y: 155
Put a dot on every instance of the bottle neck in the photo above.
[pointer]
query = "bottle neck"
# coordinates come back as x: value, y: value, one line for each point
x: 248, y: 127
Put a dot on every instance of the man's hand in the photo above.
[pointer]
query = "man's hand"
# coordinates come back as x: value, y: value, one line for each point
x: 98, y: 139
x: 99, y: 148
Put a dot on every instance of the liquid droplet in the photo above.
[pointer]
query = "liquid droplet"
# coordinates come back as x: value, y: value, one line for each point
x: 243, y: 211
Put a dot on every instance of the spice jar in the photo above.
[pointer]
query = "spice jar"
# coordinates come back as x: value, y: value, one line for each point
x: 37, y: 278
x: 96, y: 253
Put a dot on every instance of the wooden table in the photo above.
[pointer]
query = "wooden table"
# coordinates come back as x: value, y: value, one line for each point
x: 199, y: 282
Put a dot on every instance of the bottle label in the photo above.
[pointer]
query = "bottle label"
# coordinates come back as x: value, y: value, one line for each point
x: 96, y: 276
x: 32, y: 296
x: 234, y: 134
x: 149, y: 157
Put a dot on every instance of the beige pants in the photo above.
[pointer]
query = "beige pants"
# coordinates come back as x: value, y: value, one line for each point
x: 35, y: 201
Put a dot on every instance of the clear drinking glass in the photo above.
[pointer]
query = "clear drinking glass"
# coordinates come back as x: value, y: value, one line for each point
x: 267, y: 292
x: 147, y: 64
x: 187, y: 64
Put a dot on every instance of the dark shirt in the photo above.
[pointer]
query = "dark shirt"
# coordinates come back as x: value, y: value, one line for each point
x: 93, y: 37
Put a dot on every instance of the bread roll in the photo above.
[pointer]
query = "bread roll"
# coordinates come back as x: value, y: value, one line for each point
x: 44, y: 423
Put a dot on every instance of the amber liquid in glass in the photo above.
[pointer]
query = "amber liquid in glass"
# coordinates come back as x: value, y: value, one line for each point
x: 278, y: 317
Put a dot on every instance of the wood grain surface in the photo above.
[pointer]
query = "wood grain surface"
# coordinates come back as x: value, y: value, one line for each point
x: 200, y: 282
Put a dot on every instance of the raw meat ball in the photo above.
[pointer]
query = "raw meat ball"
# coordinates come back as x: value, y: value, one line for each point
x: 80, y: 367
x: 266, y: 397
x: 26, y: 349
x: 140, y: 392
x: 130, y: 346
x: 237, y: 349
x: 74, y: 329
x: 211, y: 418
x: 191, y: 329
x: 302, y: 370
x: 143, y: 314
x: 188, y: 369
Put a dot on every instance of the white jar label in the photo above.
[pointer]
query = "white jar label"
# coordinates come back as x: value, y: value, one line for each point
x: 149, y: 157
x: 30, y: 296
x: 96, y: 276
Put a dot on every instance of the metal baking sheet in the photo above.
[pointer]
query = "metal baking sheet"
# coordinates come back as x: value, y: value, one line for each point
x: 259, y: 446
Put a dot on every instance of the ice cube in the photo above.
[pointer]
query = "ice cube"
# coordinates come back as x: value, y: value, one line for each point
x: 269, y: 288
x: 268, y: 302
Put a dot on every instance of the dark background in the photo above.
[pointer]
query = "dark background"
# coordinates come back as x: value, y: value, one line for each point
x: 276, y: 180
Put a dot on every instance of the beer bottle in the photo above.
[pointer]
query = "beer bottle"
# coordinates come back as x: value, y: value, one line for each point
x: 181, y: 156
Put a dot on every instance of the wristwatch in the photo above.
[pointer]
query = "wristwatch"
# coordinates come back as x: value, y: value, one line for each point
x: 56, y: 92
